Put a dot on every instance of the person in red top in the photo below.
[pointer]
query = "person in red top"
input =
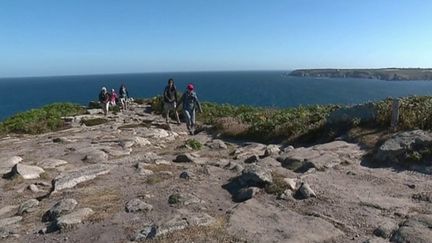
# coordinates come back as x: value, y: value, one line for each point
x: 113, y: 97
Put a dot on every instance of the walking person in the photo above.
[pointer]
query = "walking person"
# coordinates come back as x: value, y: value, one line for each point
x: 190, y: 104
x: 170, y: 100
x: 124, y: 95
x: 104, y: 99
x: 113, y: 97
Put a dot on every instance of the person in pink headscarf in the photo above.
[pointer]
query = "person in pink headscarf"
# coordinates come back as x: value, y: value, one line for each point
x: 190, y: 104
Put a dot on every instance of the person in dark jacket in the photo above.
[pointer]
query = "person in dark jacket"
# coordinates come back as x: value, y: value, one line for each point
x: 190, y: 104
x: 170, y: 100
x: 124, y: 95
x: 104, y: 99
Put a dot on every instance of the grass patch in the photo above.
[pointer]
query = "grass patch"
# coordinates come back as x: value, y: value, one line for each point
x: 174, y: 198
x: 278, y: 186
x: 103, y: 201
x: 94, y: 121
x: 194, y: 144
x: 41, y: 120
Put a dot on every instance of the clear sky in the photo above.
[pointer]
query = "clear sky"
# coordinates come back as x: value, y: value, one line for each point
x: 56, y: 37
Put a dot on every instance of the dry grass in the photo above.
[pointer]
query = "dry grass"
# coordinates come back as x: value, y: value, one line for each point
x: 103, y: 201
x: 230, y: 126
x: 13, y: 182
x: 278, y: 186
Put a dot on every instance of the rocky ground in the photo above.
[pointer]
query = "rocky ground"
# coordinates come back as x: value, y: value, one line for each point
x: 135, y: 178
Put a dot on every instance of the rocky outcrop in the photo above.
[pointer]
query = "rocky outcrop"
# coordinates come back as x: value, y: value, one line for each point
x: 412, y: 146
x: 27, y: 172
x: 60, y: 208
x: 418, y: 228
x: 71, y: 178
x: 321, y: 157
x: 69, y: 221
x: 6, y: 163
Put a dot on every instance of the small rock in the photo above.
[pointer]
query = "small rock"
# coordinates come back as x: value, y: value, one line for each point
x: 33, y: 188
x: 252, y: 159
x: 136, y: 205
x: 254, y: 175
x: 68, y: 221
x: 71, y: 178
x: 216, y: 144
x: 28, y: 206
x: 184, y: 158
x: 27, y: 172
x: 305, y: 191
x: 186, y: 175
x: 127, y: 144
x: 51, y: 163
x: 95, y: 157
x: 245, y: 194
x: 59, y: 209
x: 386, y: 229
x: 141, y: 142
x: 272, y: 150
x: 288, y: 148
x: 234, y: 166
x: 291, y: 183
x: 149, y: 232
x: 6, y: 163
x: 162, y: 162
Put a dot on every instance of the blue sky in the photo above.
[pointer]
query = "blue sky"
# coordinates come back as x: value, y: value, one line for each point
x: 52, y: 37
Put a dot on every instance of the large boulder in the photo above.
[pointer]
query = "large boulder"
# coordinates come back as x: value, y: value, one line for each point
x: 27, y: 172
x: 60, y: 208
x: 257, y: 222
x: 69, y: 221
x: 321, y: 156
x: 405, y: 147
x: 256, y: 176
x: 72, y: 178
x: 6, y: 163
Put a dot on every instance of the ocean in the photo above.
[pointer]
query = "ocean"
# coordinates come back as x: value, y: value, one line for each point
x: 257, y: 88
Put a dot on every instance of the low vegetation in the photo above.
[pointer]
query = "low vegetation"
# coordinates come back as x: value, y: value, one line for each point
x: 36, y: 121
x: 194, y: 144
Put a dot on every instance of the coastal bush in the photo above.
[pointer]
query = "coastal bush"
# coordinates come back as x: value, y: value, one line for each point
x: 36, y: 121
x: 194, y: 144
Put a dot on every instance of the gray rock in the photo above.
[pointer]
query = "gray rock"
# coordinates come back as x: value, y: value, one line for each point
x: 28, y: 206
x: 60, y: 208
x: 417, y: 229
x: 148, y: 232
x: 27, y: 172
x: 219, y: 163
x: 141, y: 168
x: 95, y: 156
x: 386, y: 229
x: 175, y: 224
x: 245, y: 194
x: 51, y: 163
x: 69, y: 221
x: 63, y: 140
x: 125, y: 144
x: 305, y: 191
x: 288, y: 148
x: 33, y: 188
x: 185, y: 158
x: 234, y: 166
x: 255, y: 175
x: 141, y: 142
x: 94, y: 111
x: 216, y: 144
x: 71, y: 178
x: 321, y: 157
x: 8, y: 210
x: 7, y: 163
x: 186, y: 175
x: 405, y: 146
x: 252, y: 159
x: 136, y: 205
x: 291, y: 183
x: 272, y: 150
x: 249, y: 150
x: 10, y: 221
x: 286, y: 195
x: 148, y: 157
x: 257, y: 222
x: 116, y: 152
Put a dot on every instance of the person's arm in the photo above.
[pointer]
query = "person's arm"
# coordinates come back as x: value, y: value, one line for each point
x: 198, y: 103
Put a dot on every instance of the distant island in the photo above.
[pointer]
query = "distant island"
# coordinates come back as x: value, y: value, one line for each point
x: 389, y: 74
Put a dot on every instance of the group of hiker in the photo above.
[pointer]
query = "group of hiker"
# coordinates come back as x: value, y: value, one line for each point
x: 189, y: 101
x: 108, y: 99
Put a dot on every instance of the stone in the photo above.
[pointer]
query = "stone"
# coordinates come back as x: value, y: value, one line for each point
x: 320, y: 157
x: 95, y: 156
x: 252, y: 159
x: 305, y: 191
x: 417, y: 228
x: 136, y: 205
x: 254, y: 175
x: 51, y: 163
x: 186, y: 175
x: 33, y: 188
x: 162, y: 162
x: 60, y: 208
x: 288, y: 148
x: 291, y: 183
x: 219, y: 163
x: 72, y: 178
x: 234, y: 166
x: 254, y: 221
x: 184, y: 158
x: 249, y: 150
x: 27, y: 172
x: 386, y: 229
x: 272, y: 150
x: 94, y: 111
x: 286, y: 195
x: 125, y: 144
x: 8, y: 210
x: 216, y: 144
x: 141, y: 142
x: 245, y: 194
x: 184, y: 199
x: 10, y: 221
x: 175, y: 224
x: 63, y: 140
x: 28, y: 206
x: 405, y: 146
x: 156, y: 133
x: 115, y: 152
x: 7, y: 163
x: 198, y: 219
x: 148, y: 232
x: 69, y: 221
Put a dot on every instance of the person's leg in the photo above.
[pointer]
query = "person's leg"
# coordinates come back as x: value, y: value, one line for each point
x: 177, y: 116
x: 192, y: 121
x: 166, y: 112
x: 188, y: 119
x: 106, y: 108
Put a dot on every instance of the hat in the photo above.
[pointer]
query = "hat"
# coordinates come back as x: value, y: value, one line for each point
x: 190, y: 87
x: 104, y: 89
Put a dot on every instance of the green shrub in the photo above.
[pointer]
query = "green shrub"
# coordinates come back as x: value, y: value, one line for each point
x: 194, y: 144
x: 36, y: 121
x: 174, y: 198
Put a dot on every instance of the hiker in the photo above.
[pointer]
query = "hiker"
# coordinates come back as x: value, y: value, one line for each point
x: 124, y: 94
x: 113, y: 97
x: 190, y: 104
x: 104, y: 99
x: 170, y: 100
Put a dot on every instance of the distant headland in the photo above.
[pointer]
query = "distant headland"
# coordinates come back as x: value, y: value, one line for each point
x: 389, y: 74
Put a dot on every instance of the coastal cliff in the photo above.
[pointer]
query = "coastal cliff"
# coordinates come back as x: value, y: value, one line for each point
x: 389, y: 74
